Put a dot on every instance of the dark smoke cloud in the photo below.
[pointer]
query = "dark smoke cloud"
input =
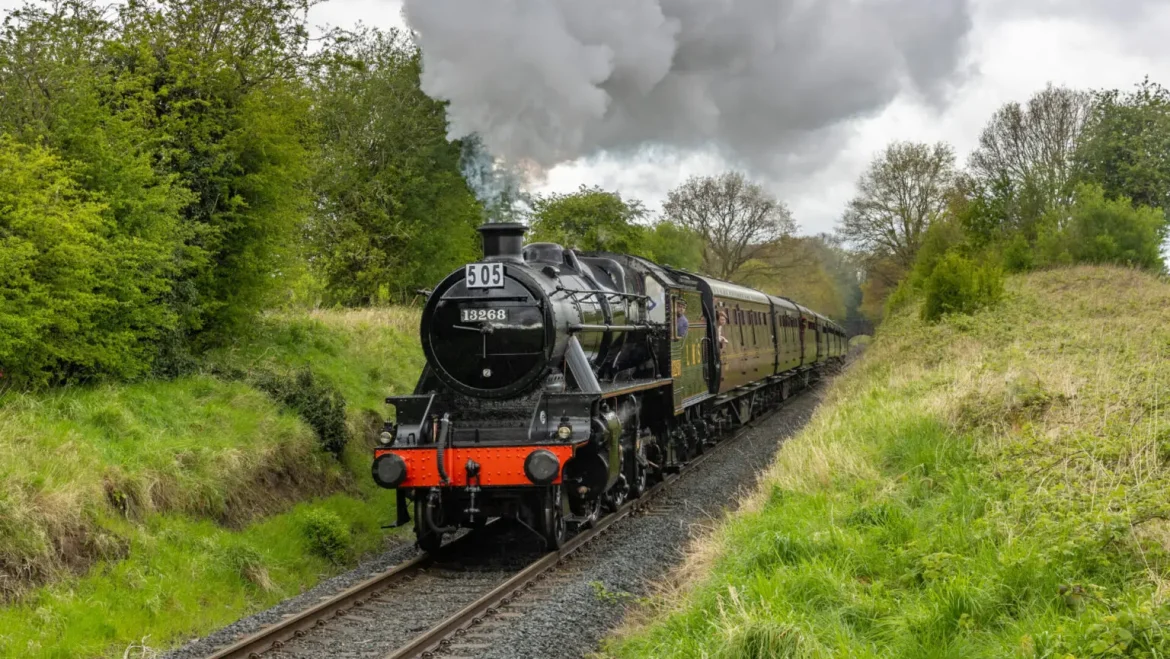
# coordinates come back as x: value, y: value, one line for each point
x: 762, y: 82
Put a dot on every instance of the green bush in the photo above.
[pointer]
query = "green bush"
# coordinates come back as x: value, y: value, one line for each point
x: 79, y: 296
x: 904, y: 292
x: 1101, y: 230
x: 943, y: 236
x: 957, y: 285
x: 186, y: 186
x: 326, y: 535
x: 319, y: 403
x: 1018, y: 255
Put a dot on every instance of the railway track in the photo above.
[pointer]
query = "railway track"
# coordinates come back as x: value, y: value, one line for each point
x: 440, y: 579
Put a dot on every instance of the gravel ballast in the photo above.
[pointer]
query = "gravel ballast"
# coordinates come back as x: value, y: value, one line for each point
x: 570, y: 612
x: 572, y: 620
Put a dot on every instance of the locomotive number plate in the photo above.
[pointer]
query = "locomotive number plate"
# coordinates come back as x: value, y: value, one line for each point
x: 472, y: 315
x: 484, y: 275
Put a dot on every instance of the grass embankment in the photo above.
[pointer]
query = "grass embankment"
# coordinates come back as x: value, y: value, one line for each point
x: 989, y: 486
x: 159, y: 510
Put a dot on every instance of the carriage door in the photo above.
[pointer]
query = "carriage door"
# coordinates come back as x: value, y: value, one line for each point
x: 688, y: 356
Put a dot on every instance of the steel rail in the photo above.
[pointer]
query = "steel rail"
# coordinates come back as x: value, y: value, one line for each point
x: 275, y: 635
x: 439, y: 636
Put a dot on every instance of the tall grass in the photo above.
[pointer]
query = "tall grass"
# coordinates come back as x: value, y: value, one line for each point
x: 990, y: 486
x: 165, y: 508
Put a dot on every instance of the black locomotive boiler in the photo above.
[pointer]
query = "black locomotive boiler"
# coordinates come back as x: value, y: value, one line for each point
x: 558, y: 383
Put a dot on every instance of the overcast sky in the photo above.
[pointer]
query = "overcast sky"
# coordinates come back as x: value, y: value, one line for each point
x: 1014, y: 48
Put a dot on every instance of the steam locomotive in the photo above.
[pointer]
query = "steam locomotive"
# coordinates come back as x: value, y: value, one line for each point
x: 559, y: 383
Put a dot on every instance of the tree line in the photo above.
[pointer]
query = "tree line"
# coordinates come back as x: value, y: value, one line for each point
x: 169, y: 168
x: 1070, y: 176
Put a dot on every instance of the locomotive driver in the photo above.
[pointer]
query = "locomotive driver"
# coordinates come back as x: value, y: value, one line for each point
x: 682, y: 324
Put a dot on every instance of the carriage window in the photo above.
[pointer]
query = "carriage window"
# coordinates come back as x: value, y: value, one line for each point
x: 681, y: 322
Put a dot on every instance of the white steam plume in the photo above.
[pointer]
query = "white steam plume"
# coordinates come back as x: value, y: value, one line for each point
x: 497, y: 187
x: 763, y: 82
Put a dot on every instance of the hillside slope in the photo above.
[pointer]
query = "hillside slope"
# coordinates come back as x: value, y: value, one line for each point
x: 163, y: 509
x: 990, y: 486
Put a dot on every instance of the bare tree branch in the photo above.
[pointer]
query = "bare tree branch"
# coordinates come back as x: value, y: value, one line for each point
x: 735, y: 217
x: 901, y: 193
x: 1033, y: 146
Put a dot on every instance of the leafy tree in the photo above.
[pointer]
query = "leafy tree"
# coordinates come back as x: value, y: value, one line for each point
x: 59, y: 97
x: 76, y: 294
x: 902, y: 192
x: 882, y: 275
x: 1100, y: 230
x: 987, y: 210
x: 392, y: 212
x: 944, y: 236
x: 227, y: 108
x: 1024, y: 160
x: 1126, y: 145
x: 590, y: 219
x: 672, y: 245
x: 187, y: 119
x: 736, y: 218
x: 594, y: 219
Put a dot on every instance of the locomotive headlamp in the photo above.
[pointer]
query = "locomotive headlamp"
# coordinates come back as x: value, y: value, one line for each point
x: 564, y: 431
x: 542, y: 467
x: 389, y: 470
x: 386, y: 437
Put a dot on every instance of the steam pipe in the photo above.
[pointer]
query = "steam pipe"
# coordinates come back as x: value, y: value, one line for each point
x: 579, y: 367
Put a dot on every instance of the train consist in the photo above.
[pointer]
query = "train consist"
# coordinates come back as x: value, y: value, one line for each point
x: 560, y: 383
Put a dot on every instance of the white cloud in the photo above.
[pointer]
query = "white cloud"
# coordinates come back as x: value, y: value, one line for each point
x: 346, y: 13
x: 1013, y: 53
x: 1016, y: 47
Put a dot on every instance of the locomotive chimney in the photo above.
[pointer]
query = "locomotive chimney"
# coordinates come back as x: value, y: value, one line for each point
x: 502, y: 241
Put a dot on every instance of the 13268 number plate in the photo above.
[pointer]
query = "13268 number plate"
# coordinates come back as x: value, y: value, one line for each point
x: 471, y: 315
x: 484, y: 275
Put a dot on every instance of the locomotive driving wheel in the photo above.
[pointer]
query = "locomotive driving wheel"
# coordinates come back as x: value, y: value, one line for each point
x: 636, y: 476
x: 617, y: 494
x: 552, y: 521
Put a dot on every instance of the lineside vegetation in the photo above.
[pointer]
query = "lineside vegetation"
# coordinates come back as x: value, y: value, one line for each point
x: 127, y: 510
x: 989, y: 485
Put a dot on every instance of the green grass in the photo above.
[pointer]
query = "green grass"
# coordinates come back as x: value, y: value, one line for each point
x: 160, y: 510
x: 182, y: 576
x: 860, y: 340
x: 365, y: 353
x: 988, y: 486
